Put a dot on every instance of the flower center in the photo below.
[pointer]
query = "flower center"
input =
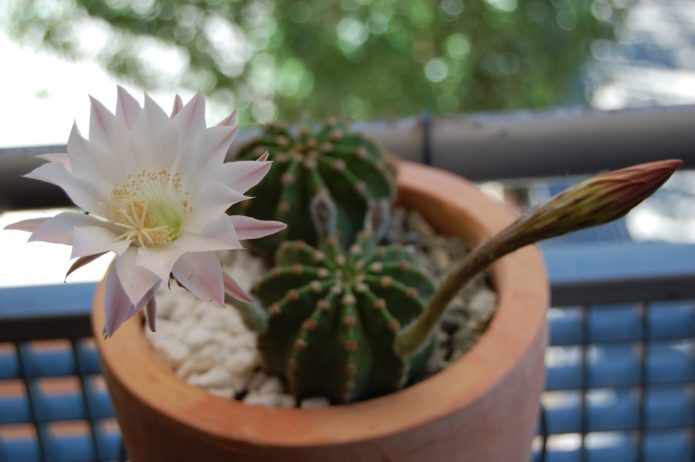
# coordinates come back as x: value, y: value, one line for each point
x: 150, y: 207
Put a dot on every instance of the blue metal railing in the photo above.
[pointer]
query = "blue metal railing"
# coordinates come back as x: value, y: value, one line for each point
x: 620, y: 374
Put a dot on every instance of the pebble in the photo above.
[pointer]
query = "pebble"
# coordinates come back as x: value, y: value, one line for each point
x: 214, y: 320
x: 178, y: 312
x: 263, y: 399
x: 242, y: 362
x: 314, y: 402
x: 172, y: 352
x: 418, y: 225
x: 166, y: 329
x: 224, y: 392
x: 164, y: 309
x: 211, y: 347
x: 195, y: 365
x: 483, y: 303
x: 197, y: 337
x: 271, y: 385
x: 441, y: 259
x: 286, y: 401
x: 216, y: 377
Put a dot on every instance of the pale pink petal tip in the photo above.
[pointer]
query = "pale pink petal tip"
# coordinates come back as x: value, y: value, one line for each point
x: 26, y: 225
x: 127, y: 108
x: 178, y: 104
x: 233, y: 289
x: 251, y: 228
x: 197, y: 104
x: 263, y: 157
x: 59, y: 157
x: 244, y: 174
x: 230, y: 120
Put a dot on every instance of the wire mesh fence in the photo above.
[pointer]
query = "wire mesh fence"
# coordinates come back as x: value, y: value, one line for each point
x: 620, y: 381
x: 54, y: 405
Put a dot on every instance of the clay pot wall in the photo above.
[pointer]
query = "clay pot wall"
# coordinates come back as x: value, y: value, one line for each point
x: 484, y: 408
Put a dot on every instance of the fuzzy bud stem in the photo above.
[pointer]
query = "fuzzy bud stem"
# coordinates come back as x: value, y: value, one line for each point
x: 600, y: 199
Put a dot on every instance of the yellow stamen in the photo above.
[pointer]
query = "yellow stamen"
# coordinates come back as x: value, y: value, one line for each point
x: 150, y: 207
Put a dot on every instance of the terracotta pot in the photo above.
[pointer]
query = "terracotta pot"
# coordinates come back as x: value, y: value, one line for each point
x: 482, y: 408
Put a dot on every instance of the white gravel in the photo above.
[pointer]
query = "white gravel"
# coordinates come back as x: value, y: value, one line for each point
x: 211, y: 347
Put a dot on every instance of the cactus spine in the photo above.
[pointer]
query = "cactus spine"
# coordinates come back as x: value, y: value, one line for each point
x: 333, y: 318
x: 351, y: 169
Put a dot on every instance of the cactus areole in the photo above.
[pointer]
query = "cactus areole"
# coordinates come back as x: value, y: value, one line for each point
x: 333, y: 318
x: 327, y: 159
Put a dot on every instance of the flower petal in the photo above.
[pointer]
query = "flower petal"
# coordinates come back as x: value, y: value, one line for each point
x: 168, y: 148
x: 201, y: 158
x: 107, y: 132
x: 155, y: 140
x: 60, y: 158
x: 190, y: 120
x: 210, y: 202
x: 26, y: 225
x: 178, y: 104
x: 82, y: 261
x: 201, y: 274
x: 117, y: 306
x: 90, y: 240
x: 127, y: 108
x: 116, y: 302
x: 230, y: 120
x: 136, y: 280
x: 83, y: 194
x: 59, y: 229
x: 157, y: 148
x: 90, y: 163
x: 233, y: 289
x: 242, y: 175
x: 215, y: 142
x: 251, y: 228
x: 157, y: 118
x: 159, y: 261
x: 217, y: 235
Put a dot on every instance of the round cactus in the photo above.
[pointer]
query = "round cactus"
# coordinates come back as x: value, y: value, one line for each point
x: 333, y: 318
x: 329, y: 158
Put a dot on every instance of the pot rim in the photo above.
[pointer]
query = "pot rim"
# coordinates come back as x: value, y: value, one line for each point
x: 521, y: 285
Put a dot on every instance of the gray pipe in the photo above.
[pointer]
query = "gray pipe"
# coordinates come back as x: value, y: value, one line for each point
x: 483, y: 146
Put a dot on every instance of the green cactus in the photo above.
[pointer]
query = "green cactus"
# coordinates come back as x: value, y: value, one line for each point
x: 329, y: 158
x: 333, y: 318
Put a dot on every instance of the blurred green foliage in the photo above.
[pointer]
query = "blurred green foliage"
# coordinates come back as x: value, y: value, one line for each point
x: 360, y: 58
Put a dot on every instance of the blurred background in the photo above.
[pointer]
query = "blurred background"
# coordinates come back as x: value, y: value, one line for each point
x: 362, y: 59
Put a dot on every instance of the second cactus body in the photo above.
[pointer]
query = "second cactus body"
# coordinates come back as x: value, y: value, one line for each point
x: 329, y: 159
x: 333, y: 318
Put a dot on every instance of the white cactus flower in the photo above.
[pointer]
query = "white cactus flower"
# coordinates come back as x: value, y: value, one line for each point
x: 155, y: 189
